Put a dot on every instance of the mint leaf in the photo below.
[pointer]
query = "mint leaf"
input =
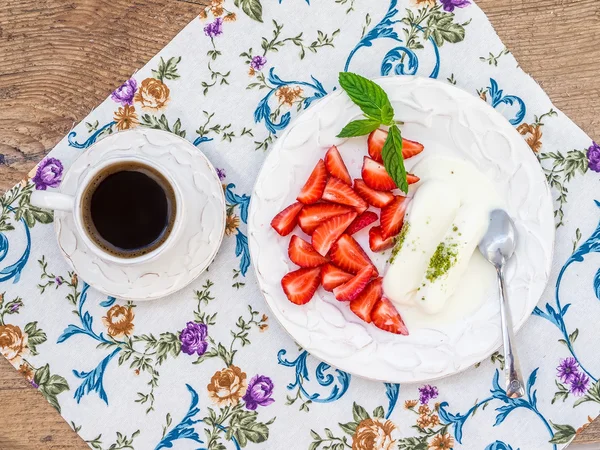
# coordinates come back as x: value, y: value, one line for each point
x: 369, y: 96
x: 359, y: 128
x: 392, y: 158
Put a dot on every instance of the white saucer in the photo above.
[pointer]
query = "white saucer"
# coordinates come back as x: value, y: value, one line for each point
x: 203, y: 218
x: 448, y: 121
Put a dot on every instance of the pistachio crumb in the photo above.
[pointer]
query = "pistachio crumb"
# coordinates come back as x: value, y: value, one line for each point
x: 441, y: 261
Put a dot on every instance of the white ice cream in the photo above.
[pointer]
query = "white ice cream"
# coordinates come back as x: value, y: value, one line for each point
x: 437, y: 269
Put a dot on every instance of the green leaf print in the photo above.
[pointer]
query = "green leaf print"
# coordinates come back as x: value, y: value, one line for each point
x: 413, y: 443
x: 35, y: 336
x: 252, y: 8
x: 359, y: 413
x: 564, y: 434
x: 162, y: 123
x: 379, y: 412
x: 50, y: 385
x: 561, y: 394
x: 244, y: 427
x: 441, y: 27
x: 348, y: 428
x: 167, y: 70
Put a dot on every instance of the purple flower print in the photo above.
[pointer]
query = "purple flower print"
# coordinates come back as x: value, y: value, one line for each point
x: 124, y: 94
x: 259, y: 392
x: 34, y: 384
x: 58, y: 280
x: 258, y: 62
x: 14, y: 308
x: 579, y: 384
x: 427, y: 393
x: 221, y: 173
x: 449, y: 5
x: 48, y: 174
x: 193, y: 338
x: 214, y: 29
x: 593, y: 156
x: 567, y: 370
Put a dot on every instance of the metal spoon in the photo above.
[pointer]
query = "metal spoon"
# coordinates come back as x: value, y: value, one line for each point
x: 497, y: 246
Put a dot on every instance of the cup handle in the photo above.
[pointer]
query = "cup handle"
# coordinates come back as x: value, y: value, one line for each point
x: 52, y: 200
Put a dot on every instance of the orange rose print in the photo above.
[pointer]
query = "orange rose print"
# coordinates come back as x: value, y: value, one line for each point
x: 374, y: 434
x: 227, y: 386
x: 119, y: 321
x: 152, y: 94
x: 13, y: 343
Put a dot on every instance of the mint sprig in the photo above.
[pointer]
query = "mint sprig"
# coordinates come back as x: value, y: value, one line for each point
x: 376, y: 106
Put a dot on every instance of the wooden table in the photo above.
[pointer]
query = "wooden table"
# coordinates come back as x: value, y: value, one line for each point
x: 60, y: 58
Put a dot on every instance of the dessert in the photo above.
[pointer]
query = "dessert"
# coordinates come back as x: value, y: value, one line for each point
x: 444, y: 223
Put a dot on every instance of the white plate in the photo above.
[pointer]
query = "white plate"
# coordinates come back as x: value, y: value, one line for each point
x: 202, y: 227
x: 447, y: 121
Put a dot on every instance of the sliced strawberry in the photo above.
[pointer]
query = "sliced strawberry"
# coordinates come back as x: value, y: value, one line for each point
x: 378, y: 199
x: 286, y: 220
x: 412, y: 179
x: 392, y: 217
x: 349, y: 256
x: 313, y: 189
x: 375, y: 142
x: 376, y: 241
x: 329, y: 232
x: 335, y: 165
x: 352, y: 289
x: 301, y: 285
x: 364, y: 303
x: 377, y: 139
x: 332, y: 277
x: 303, y: 254
x: 385, y: 317
x: 411, y: 148
x: 312, y: 216
x: 339, y: 192
x: 362, y: 221
x: 375, y: 176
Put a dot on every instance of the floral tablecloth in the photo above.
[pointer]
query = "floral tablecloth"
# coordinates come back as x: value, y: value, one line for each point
x: 207, y: 368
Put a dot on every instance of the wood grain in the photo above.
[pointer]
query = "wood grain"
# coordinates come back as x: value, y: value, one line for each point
x: 60, y: 58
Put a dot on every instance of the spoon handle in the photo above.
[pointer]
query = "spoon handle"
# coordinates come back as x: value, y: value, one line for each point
x: 512, y: 368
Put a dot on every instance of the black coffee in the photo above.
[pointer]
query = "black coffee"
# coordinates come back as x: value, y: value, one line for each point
x: 129, y: 209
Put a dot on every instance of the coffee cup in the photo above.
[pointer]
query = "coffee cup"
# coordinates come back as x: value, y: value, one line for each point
x: 139, y: 215
x: 127, y: 210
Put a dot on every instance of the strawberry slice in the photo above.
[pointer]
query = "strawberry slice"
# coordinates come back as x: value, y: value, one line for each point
x: 385, y: 317
x: 411, y: 148
x: 352, y: 289
x: 376, y: 241
x: 362, y: 221
x: 286, y: 220
x: 349, y: 256
x: 313, y: 189
x: 378, y: 199
x: 329, y: 232
x: 377, y: 139
x: 392, y: 217
x: 375, y: 176
x: 332, y: 277
x: 300, y: 286
x: 412, y: 179
x: 312, y: 216
x: 364, y: 303
x: 303, y: 254
x: 335, y: 165
x: 339, y: 192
